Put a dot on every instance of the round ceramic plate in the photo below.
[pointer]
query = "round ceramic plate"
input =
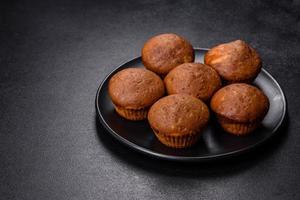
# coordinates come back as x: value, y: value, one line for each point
x: 214, y: 143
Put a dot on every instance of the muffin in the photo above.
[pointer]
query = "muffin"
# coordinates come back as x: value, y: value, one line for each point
x: 133, y: 91
x: 163, y: 52
x: 234, y: 61
x: 177, y: 120
x: 194, y: 79
x: 239, y: 108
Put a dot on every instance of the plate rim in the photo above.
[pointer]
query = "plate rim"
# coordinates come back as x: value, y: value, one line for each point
x: 154, y: 154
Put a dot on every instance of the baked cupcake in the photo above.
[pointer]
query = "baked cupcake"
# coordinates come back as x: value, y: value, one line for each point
x: 177, y: 120
x: 239, y: 108
x: 133, y: 91
x: 194, y: 79
x: 234, y: 61
x: 163, y: 52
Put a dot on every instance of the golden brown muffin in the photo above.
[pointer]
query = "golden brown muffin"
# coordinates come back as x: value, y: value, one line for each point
x: 194, y: 79
x: 133, y: 91
x: 163, y: 52
x: 177, y: 120
x: 234, y: 61
x: 240, y: 107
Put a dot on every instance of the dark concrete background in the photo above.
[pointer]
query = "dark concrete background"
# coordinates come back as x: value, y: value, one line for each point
x: 53, y: 56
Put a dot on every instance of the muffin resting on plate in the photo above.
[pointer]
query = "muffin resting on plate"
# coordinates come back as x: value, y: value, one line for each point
x: 239, y: 108
x: 195, y: 79
x: 177, y: 120
x: 163, y: 52
x: 133, y: 91
x: 234, y: 61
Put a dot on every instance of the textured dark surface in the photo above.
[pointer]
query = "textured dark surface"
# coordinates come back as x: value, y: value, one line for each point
x: 53, y: 56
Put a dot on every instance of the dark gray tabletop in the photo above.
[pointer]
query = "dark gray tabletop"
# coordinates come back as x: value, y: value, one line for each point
x: 53, y: 56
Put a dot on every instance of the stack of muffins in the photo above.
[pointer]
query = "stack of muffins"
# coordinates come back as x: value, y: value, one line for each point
x: 173, y: 92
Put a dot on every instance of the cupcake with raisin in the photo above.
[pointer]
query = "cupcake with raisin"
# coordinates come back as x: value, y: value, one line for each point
x: 234, y: 61
x: 194, y: 79
x: 133, y: 91
x: 178, y: 120
x: 164, y: 52
x: 240, y: 108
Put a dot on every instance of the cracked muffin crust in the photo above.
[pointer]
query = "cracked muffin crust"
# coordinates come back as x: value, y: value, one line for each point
x: 234, y: 61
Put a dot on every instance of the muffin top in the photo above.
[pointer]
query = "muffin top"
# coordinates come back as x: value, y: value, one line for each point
x: 178, y: 114
x: 195, y: 79
x: 135, y: 88
x: 163, y: 52
x: 240, y: 102
x: 234, y: 61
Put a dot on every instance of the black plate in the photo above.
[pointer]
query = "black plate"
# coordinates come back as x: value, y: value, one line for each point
x: 214, y: 143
